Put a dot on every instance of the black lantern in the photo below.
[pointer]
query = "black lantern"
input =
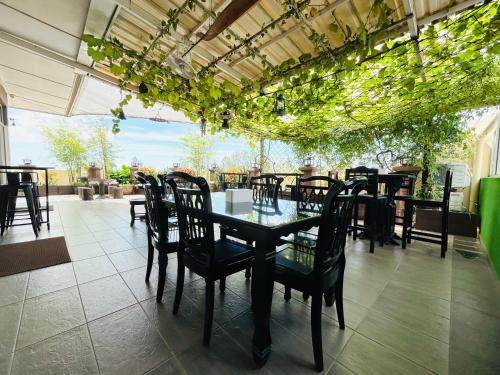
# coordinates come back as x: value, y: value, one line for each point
x: 308, y: 161
x: 279, y: 105
x: 225, y: 119
x: 27, y: 161
x: 143, y: 89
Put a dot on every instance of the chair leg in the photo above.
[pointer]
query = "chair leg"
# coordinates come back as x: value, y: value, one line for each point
x: 316, y: 330
x: 410, y: 224
x: 151, y: 254
x: 209, y: 311
x: 355, y: 220
x: 339, y: 301
x: 405, y: 226
x: 162, y: 265
x: 328, y: 295
x: 248, y: 272
x: 288, y: 293
x: 444, y: 233
x: 305, y: 296
x: 31, y: 210
x: 382, y: 224
x: 180, y: 284
x: 132, y: 215
x: 222, y: 284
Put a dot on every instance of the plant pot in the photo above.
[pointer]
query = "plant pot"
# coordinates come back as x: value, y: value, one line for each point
x: 128, y: 189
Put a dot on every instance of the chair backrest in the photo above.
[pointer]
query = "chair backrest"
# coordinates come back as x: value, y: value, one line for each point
x: 194, y: 214
x: 370, y: 173
x: 335, y: 218
x: 447, y: 187
x: 311, y: 191
x: 153, y: 193
x: 265, y: 187
x: 13, y: 178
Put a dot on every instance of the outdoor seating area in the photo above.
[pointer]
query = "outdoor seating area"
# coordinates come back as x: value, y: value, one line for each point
x: 249, y: 186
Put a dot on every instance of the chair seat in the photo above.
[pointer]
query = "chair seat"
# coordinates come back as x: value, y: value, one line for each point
x: 137, y: 201
x: 226, y: 252
x: 295, y: 258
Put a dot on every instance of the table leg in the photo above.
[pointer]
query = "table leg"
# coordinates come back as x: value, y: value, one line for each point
x: 47, y: 197
x: 262, y: 296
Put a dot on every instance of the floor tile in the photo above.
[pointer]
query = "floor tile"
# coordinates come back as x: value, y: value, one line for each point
x: 422, y: 349
x: 180, y: 331
x: 364, y: 356
x: 104, y: 235
x: 94, y: 268
x: 10, y: 316
x: 50, y: 279
x: 115, y: 245
x: 67, y: 353
x: 338, y: 369
x: 5, y: 360
x: 50, y: 314
x: 222, y: 357
x: 127, y: 260
x: 125, y: 342
x: 85, y: 251
x: 13, y: 288
x: 104, y: 296
x: 135, y: 280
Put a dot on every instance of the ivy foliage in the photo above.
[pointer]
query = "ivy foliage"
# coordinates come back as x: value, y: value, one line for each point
x: 341, y: 96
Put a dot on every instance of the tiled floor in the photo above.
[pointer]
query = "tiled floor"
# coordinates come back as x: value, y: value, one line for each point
x: 407, y: 312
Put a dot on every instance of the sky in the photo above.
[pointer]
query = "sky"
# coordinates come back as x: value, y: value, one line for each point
x: 155, y: 144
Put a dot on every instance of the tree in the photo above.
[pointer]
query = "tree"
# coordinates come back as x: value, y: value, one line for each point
x: 198, y: 151
x: 102, y: 148
x: 67, y: 147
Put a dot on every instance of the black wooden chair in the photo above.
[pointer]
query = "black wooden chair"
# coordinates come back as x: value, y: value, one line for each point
x: 406, y: 192
x: 319, y: 271
x: 265, y: 187
x: 159, y: 230
x: 374, y: 205
x: 198, y: 251
x: 444, y: 205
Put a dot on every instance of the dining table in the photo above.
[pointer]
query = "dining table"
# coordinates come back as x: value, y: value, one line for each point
x: 266, y: 222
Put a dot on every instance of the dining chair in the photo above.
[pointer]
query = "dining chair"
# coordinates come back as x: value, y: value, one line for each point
x: 265, y: 187
x: 198, y: 250
x: 159, y: 230
x: 406, y: 191
x: 374, y: 203
x: 444, y: 207
x: 319, y: 271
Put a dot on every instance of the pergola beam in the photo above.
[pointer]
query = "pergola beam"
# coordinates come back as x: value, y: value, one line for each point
x: 155, y: 24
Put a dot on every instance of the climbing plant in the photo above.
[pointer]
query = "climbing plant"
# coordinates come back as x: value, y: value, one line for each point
x: 337, y: 98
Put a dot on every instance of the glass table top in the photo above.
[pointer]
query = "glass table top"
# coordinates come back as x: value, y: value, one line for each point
x: 262, y: 213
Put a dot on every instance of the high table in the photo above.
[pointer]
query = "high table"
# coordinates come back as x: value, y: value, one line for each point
x: 32, y: 168
x: 266, y: 223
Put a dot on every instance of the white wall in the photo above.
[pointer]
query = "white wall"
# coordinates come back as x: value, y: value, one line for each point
x: 495, y: 155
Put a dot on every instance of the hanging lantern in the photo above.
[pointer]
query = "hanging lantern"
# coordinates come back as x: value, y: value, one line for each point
x: 121, y: 115
x: 143, y: 89
x: 279, y: 105
x: 27, y: 161
x: 225, y: 116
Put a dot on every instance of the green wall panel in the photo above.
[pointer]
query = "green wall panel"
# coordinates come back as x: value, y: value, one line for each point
x: 489, y: 205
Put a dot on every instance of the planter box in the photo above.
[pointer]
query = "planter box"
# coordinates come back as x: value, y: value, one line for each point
x: 459, y: 223
x: 128, y: 189
x: 58, y: 190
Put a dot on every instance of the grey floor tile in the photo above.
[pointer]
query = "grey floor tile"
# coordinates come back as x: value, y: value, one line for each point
x: 135, y: 280
x: 125, y: 342
x: 5, y: 361
x: 222, y: 357
x: 363, y: 356
x: 48, y: 315
x: 289, y: 353
x: 109, y: 234
x: 115, y: 245
x: 296, y: 317
x: 474, y: 341
x: 422, y: 349
x: 10, y: 316
x: 93, y: 269
x: 104, y: 296
x: 127, y: 260
x: 50, y: 279
x: 13, y: 288
x: 67, y: 353
x: 85, y: 251
x: 180, y: 331
x: 338, y: 369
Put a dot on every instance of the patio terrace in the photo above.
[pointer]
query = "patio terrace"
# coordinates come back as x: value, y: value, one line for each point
x: 407, y: 311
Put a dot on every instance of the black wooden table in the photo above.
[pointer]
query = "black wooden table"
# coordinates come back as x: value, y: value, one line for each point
x: 33, y: 168
x: 266, y: 223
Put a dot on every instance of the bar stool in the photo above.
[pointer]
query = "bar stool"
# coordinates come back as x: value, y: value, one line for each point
x: 8, y: 202
x: 133, y: 215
